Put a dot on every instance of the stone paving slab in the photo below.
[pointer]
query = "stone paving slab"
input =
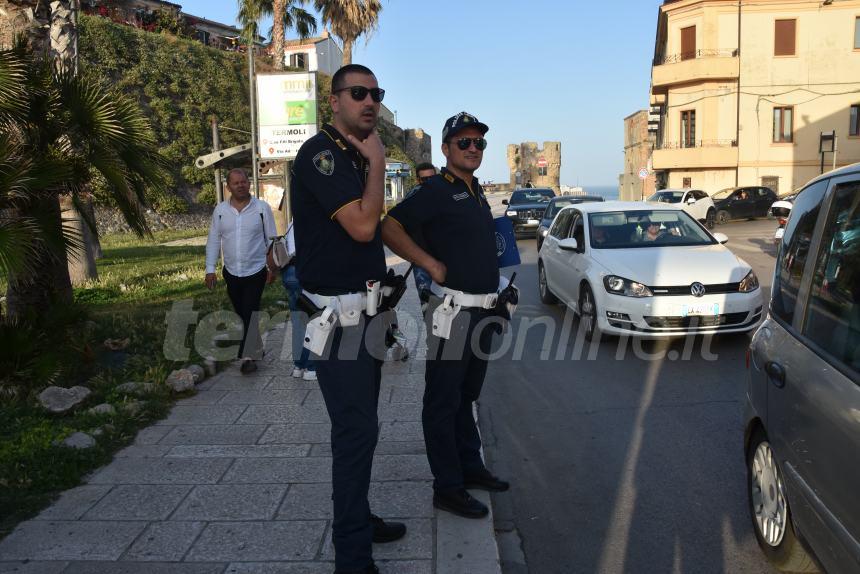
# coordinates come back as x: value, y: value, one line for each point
x: 387, y: 499
x: 164, y: 541
x: 385, y: 567
x: 32, y: 567
x: 274, y: 414
x: 265, y: 397
x: 400, y: 467
x: 417, y: 544
x: 213, y: 434
x: 290, y: 383
x: 203, y: 415
x: 143, y: 451
x: 279, y: 470
x: 74, y: 503
x: 382, y: 447
x: 297, y: 433
x: 142, y: 568
x: 398, y: 431
x: 69, y: 540
x: 231, y: 382
x: 151, y: 435
x: 240, y: 451
x: 231, y: 502
x: 258, y: 541
x: 138, y: 502
x: 162, y: 471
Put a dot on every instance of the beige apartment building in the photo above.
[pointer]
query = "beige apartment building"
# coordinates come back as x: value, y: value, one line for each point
x: 791, y: 67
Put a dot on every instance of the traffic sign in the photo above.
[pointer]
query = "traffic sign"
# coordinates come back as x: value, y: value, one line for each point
x: 541, y: 162
x: 643, y: 173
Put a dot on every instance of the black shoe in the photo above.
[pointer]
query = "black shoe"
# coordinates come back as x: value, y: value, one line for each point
x: 248, y: 366
x: 460, y: 502
x: 372, y: 569
x: 386, y: 531
x: 486, y: 481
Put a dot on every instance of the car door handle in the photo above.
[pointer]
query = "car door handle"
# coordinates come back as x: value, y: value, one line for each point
x: 775, y: 373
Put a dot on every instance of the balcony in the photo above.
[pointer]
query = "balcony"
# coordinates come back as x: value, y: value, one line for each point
x: 693, y: 67
x: 703, y: 155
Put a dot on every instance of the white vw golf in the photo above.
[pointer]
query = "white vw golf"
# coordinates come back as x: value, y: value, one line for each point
x: 632, y: 268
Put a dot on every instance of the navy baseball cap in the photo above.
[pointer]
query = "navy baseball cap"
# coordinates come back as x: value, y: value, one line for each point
x: 459, y: 122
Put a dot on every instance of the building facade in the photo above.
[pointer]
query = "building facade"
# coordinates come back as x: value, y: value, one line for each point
x: 744, y: 90
x: 539, y: 166
x: 321, y: 54
x: 638, y: 146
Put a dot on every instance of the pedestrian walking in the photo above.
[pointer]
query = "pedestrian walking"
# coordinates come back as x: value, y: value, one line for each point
x: 458, y: 248
x: 303, y: 365
x: 337, y: 195
x: 239, y: 231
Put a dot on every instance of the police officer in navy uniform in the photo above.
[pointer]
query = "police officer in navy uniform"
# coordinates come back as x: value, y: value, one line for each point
x: 457, y: 246
x: 337, y: 194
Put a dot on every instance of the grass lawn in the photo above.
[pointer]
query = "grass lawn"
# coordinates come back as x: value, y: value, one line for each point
x: 139, y: 281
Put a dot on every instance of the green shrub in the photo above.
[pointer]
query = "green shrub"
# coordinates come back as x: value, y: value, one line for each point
x: 206, y: 195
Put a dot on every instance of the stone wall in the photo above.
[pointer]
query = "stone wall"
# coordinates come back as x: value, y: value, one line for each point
x: 414, y: 142
x: 525, y: 158
x: 111, y: 220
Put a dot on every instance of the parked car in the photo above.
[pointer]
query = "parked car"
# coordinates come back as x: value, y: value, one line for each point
x: 633, y: 268
x: 802, y: 431
x: 554, y: 207
x: 695, y: 202
x: 526, y: 207
x: 743, y: 203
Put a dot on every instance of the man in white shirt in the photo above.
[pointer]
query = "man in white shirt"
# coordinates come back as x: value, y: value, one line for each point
x: 240, y: 230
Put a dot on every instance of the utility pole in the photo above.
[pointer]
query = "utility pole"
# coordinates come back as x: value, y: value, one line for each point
x: 738, y: 125
x: 253, y: 95
x: 216, y: 146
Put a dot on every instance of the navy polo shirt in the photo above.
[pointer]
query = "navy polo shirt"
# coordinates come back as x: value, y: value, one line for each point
x: 456, y: 227
x: 329, y: 174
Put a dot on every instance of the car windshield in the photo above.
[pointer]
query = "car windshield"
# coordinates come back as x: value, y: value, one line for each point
x: 556, y: 206
x: 645, y: 228
x: 667, y: 196
x: 531, y: 196
x: 724, y: 193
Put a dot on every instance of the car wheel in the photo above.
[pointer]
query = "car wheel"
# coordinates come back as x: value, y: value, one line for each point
x: 770, y: 512
x: 546, y: 295
x: 588, y: 314
x: 722, y: 217
x: 710, y: 219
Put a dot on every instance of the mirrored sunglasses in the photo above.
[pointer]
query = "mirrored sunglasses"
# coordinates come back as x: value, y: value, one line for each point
x: 358, y: 93
x: 464, y: 143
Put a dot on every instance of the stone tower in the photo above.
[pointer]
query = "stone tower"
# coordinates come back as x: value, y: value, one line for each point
x: 541, y: 166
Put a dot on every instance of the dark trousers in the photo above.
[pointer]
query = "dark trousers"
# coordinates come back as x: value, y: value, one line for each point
x: 453, y: 377
x: 349, y: 377
x: 245, y: 294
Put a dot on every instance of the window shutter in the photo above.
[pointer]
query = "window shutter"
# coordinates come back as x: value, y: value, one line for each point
x: 688, y: 43
x: 784, y: 37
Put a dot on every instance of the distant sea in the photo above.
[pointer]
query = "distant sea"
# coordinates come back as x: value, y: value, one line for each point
x: 607, y: 192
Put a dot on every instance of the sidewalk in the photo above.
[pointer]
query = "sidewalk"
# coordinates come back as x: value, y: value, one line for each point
x: 237, y: 480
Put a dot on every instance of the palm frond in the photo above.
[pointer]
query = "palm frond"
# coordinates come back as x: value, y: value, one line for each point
x: 20, y: 240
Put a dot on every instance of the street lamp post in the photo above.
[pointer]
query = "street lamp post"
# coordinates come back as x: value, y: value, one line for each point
x: 253, y: 96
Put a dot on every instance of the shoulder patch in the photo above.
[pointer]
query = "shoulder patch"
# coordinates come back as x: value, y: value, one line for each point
x: 324, y: 162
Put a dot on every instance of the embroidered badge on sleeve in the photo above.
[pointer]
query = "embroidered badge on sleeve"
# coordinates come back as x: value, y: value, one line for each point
x: 324, y: 162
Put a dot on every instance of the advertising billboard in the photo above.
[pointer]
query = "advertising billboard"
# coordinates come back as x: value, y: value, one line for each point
x: 286, y: 113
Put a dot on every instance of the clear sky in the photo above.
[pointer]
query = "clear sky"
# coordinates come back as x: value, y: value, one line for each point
x: 542, y: 70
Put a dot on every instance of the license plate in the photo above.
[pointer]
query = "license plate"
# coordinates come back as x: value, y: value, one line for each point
x: 700, y: 310
x: 533, y: 221
x: 779, y: 233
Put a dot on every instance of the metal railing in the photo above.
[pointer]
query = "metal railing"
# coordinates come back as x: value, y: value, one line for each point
x: 696, y: 144
x: 698, y: 54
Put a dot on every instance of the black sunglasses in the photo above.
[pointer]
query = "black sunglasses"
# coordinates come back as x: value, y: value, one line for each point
x: 358, y: 93
x: 464, y: 143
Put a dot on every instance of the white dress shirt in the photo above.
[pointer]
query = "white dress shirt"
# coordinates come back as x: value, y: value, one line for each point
x: 242, y: 237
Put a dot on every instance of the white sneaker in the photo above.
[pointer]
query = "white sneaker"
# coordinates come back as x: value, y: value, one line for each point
x: 297, y: 373
x: 309, y: 376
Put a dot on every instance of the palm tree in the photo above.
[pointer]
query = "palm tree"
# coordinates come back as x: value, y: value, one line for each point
x: 286, y: 14
x: 349, y: 19
x: 55, y: 128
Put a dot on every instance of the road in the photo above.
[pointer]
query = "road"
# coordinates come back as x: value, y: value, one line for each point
x: 621, y: 462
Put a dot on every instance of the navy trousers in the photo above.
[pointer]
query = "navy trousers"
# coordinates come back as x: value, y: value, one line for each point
x: 453, y: 378
x: 245, y: 294
x: 349, y: 376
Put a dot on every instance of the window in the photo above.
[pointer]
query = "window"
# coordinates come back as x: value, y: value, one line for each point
x: 857, y: 33
x: 854, y: 125
x: 698, y: 194
x: 834, y: 302
x: 688, y: 128
x: 541, y: 170
x: 783, y: 118
x: 299, y: 60
x: 784, y: 37
x: 794, y: 249
x: 561, y: 226
x: 688, y: 181
x: 578, y: 233
x: 688, y: 43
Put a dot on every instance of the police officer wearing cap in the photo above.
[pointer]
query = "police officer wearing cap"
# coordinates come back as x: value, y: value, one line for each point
x: 452, y: 218
x: 337, y: 194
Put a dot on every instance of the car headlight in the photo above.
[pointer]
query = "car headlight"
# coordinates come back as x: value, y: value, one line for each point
x: 511, y: 213
x: 749, y: 283
x: 621, y: 286
x: 543, y: 231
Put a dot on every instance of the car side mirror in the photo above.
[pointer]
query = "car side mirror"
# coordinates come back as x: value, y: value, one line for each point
x: 721, y: 237
x: 691, y: 201
x: 569, y: 244
x: 504, y: 202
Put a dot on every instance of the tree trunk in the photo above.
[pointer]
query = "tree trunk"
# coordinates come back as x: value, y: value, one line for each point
x: 26, y: 19
x: 82, y: 265
x: 347, y: 52
x: 32, y: 295
x: 278, y: 32
x: 64, y: 35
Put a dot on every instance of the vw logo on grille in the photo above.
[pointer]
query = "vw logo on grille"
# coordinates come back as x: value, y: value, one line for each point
x: 697, y: 289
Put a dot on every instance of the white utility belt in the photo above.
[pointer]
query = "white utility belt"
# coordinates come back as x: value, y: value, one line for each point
x: 466, y: 300
x: 339, y: 310
x: 453, y: 302
x: 348, y: 307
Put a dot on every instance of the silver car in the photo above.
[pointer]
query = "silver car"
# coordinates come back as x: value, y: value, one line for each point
x: 802, y: 438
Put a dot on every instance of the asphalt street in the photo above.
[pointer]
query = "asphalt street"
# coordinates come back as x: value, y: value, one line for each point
x: 624, y: 457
